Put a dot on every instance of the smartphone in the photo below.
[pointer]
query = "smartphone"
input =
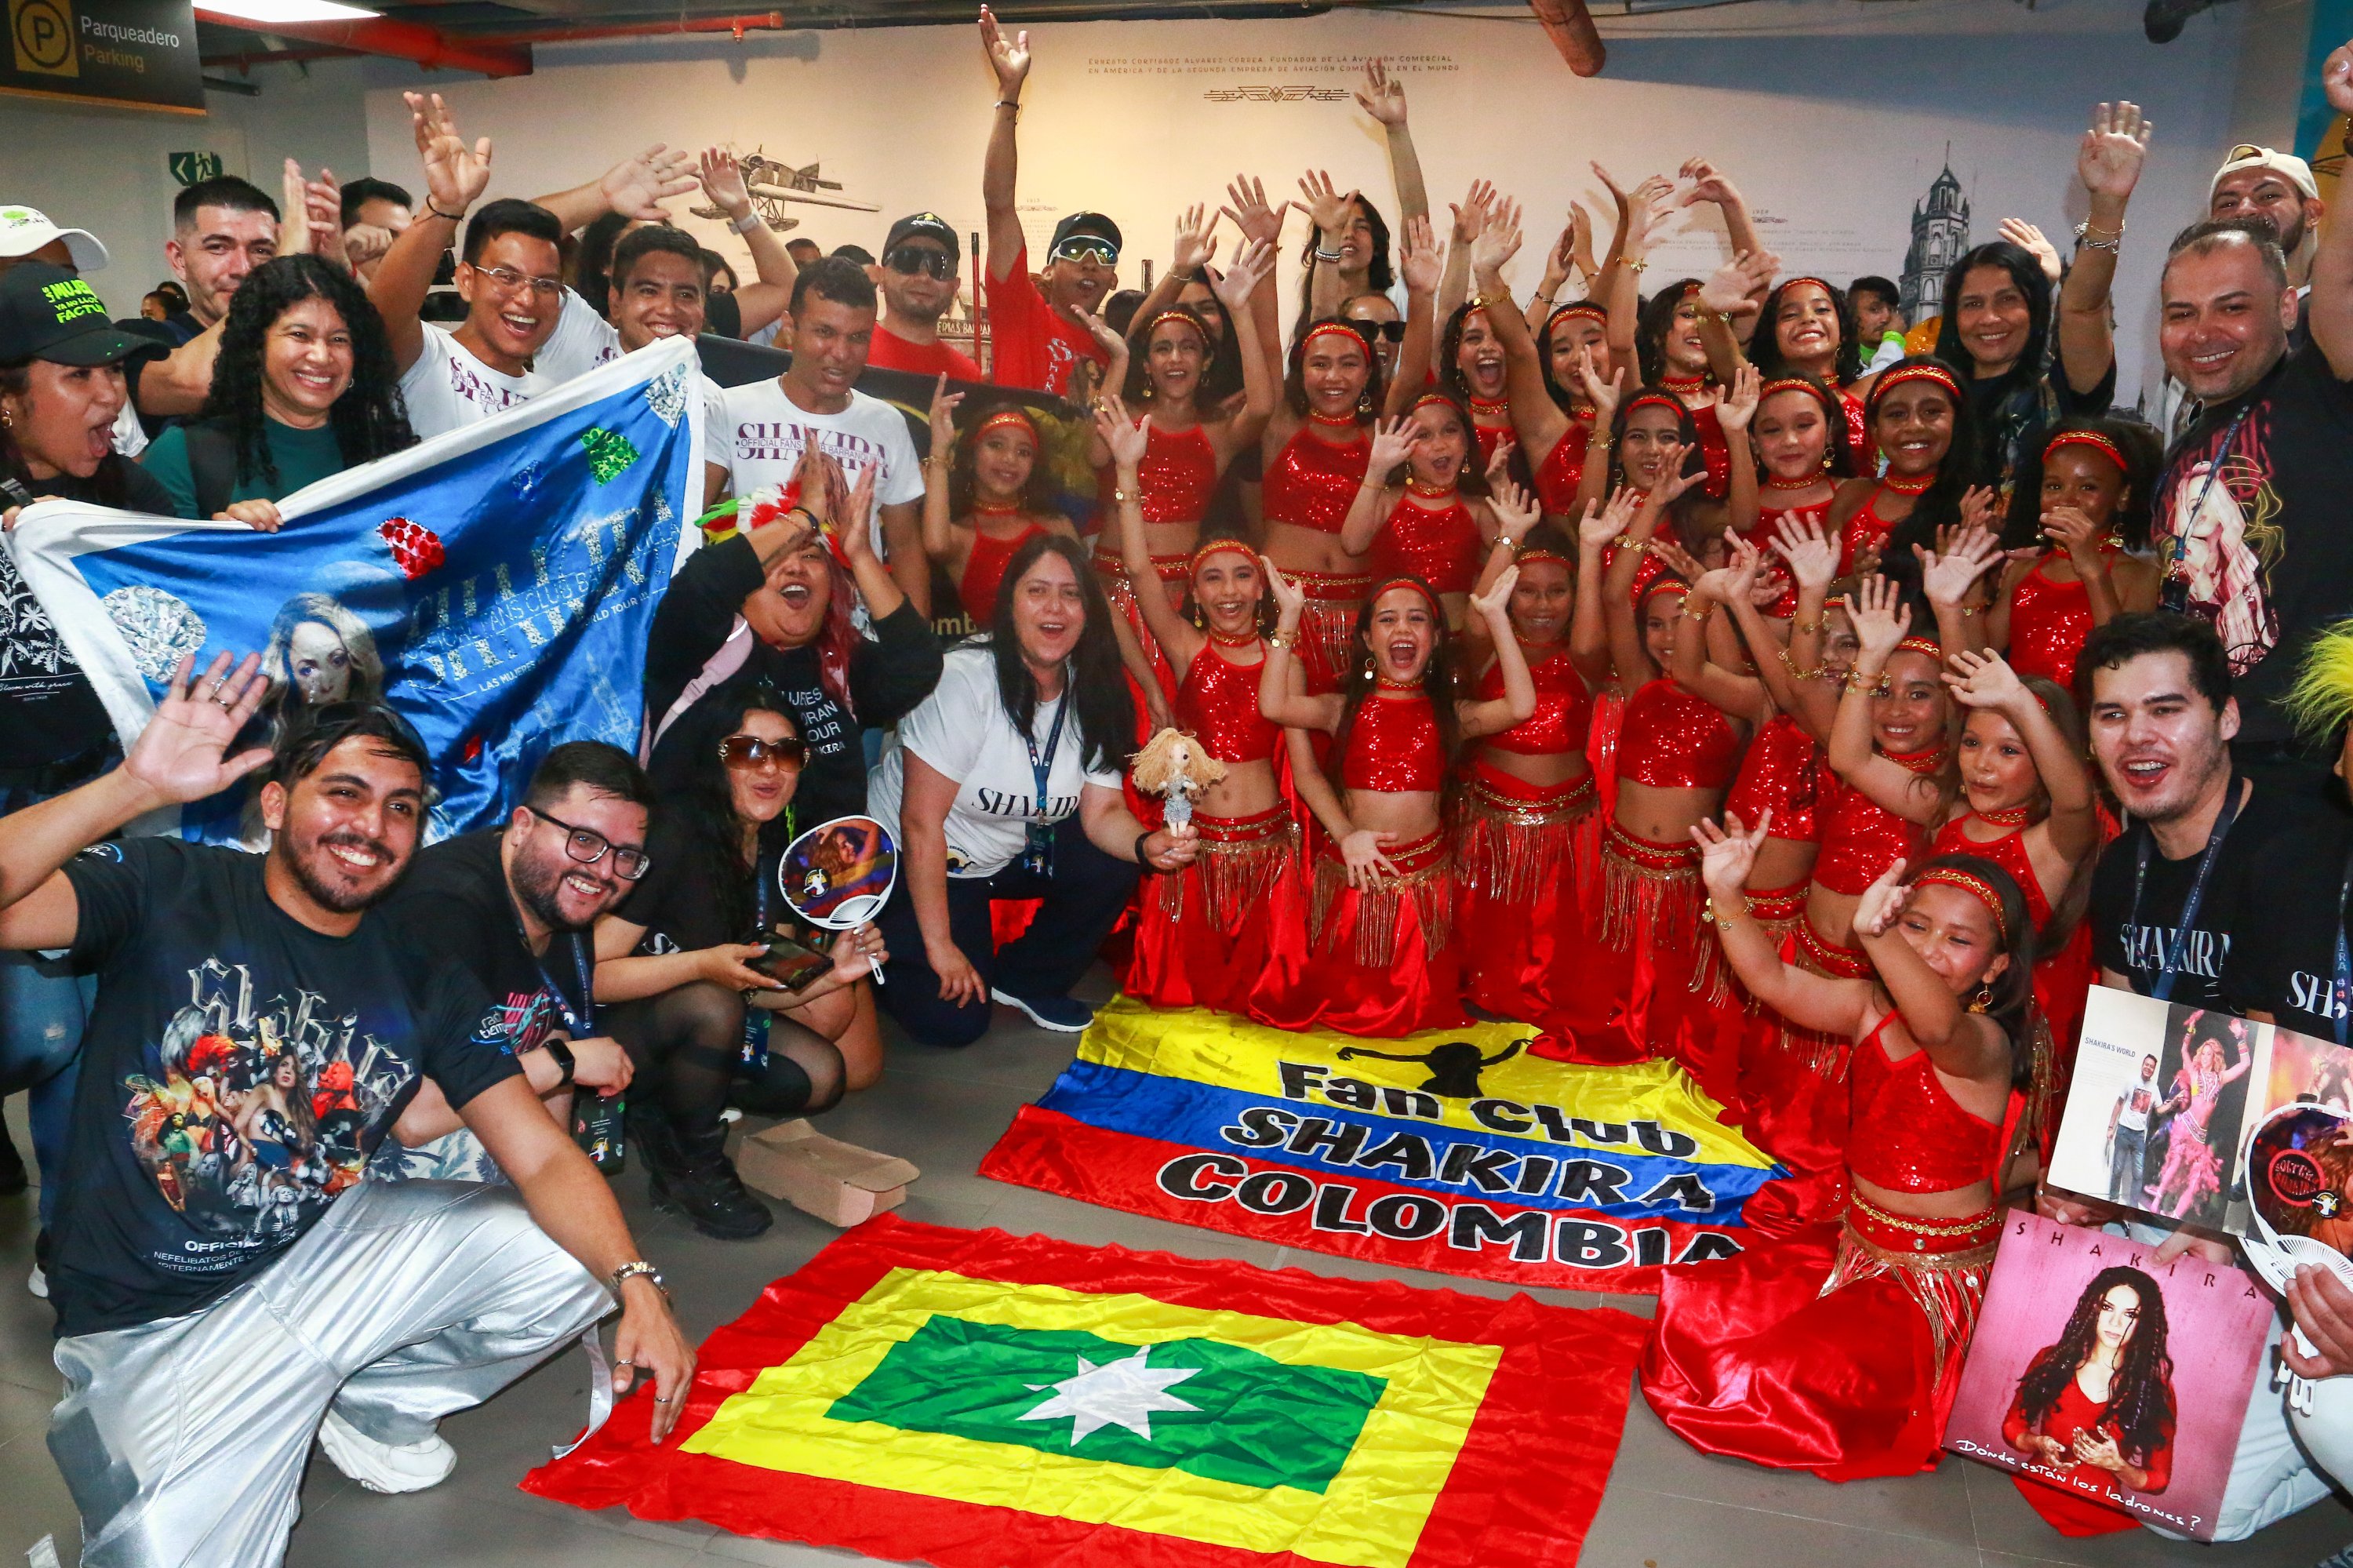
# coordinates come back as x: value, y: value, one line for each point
x: 796, y: 968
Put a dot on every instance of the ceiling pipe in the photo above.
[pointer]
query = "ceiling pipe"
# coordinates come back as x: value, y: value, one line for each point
x: 428, y: 46
x: 564, y: 33
x: 1570, y: 27
x: 247, y: 61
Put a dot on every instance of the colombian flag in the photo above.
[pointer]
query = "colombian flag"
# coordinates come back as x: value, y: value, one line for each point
x: 1457, y: 1151
x: 977, y: 1399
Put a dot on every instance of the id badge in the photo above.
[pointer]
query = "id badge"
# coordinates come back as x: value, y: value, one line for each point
x: 1038, y: 851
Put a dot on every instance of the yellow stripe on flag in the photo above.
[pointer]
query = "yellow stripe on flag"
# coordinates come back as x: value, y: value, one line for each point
x: 1231, y: 1053
x: 1370, y: 1515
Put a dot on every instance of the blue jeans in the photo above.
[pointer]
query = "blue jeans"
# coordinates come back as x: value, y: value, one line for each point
x: 42, y: 1011
x: 2124, y: 1161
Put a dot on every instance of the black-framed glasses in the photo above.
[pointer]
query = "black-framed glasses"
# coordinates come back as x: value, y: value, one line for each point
x: 588, y: 846
x: 1387, y: 332
x: 744, y: 752
x: 914, y: 258
x: 1086, y: 248
x: 509, y: 280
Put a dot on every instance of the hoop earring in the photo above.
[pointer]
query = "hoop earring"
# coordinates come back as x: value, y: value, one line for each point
x: 1365, y: 401
x: 1983, y: 1000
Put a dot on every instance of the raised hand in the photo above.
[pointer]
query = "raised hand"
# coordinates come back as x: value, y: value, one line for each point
x: 1494, y: 606
x: 1728, y: 853
x: 1498, y: 241
x: 181, y: 755
x: 1604, y: 524
x: 1881, y: 902
x: 1603, y: 396
x: 1981, y: 509
x: 1194, y: 247
x: 2336, y: 78
x: 1747, y: 562
x: 1499, y: 463
x: 1985, y: 681
x: 1126, y: 439
x: 1421, y: 261
x: 1290, y: 603
x: 1739, y: 404
x: 1471, y: 213
x: 2109, y: 158
x: 1008, y: 58
x: 2029, y: 239
x: 1326, y: 207
x: 1246, y: 204
x: 1709, y: 185
x: 1881, y: 617
x: 1946, y: 578
x: 1812, y: 555
x: 1241, y: 279
x: 1516, y: 510
x: 455, y: 174
x: 1381, y: 95
x: 1393, y: 442
x: 943, y: 406
x: 636, y: 187
x: 852, y: 528
x: 1733, y: 287
x: 722, y: 181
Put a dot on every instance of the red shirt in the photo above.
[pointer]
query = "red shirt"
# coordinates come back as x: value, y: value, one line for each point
x: 888, y: 350
x: 1034, y: 345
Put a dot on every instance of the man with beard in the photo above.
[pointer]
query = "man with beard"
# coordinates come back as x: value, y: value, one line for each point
x: 2278, y: 187
x: 917, y: 281
x: 513, y: 905
x: 377, y: 1308
x: 1037, y: 337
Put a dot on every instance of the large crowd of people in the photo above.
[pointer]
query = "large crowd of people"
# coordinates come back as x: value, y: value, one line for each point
x: 1719, y: 670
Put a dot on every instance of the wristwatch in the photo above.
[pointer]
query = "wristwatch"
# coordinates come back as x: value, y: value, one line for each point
x: 560, y: 1052
x: 628, y: 1271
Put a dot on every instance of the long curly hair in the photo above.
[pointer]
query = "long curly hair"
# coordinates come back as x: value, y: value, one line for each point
x: 1095, y: 682
x: 1039, y: 496
x: 703, y: 804
x: 369, y: 418
x: 1439, y: 677
x: 1654, y: 321
x: 2141, y: 1391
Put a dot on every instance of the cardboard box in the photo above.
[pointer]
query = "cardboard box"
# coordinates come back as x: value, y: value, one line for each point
x: 838, y: 1182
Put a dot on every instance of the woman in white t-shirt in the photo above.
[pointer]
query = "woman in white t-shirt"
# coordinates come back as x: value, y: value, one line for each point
x: 1005, y: 783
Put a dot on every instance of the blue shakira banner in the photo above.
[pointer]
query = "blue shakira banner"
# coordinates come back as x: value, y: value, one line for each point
x: 496, y: 585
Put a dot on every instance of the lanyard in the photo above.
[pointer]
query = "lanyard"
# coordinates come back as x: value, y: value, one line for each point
x: 1040, y: 768
x: 582, y: 1024
x: 2342, y: 992
x: 2163, y: 989
x: 2177, y: 579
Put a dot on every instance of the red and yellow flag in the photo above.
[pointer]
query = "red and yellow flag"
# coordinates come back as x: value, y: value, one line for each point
x: 973, y: 1399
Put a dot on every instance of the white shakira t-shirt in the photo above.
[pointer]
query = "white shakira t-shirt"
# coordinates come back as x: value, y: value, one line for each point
x: 761, y: 434
x: 962, y: 730
x: 449, y: 388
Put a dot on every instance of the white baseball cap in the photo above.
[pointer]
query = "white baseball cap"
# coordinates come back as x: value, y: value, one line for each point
x: 2248, y: 155
x: 24, y: 230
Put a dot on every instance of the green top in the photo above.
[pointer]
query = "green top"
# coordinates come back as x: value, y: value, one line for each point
x: 304, y: 457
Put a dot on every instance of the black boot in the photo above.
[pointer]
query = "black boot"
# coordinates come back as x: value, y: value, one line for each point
x: 12, y: 1165
x: 693, y: 1177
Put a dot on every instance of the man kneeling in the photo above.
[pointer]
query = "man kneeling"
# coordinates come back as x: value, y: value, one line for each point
x: 224, y: 1280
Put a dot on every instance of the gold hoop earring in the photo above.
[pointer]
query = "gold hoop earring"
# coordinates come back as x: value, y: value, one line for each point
x: 1983, y: 1000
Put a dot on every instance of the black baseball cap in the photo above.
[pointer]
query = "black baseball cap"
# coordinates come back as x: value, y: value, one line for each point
x: 1093, y: 223
x: 46, y: 312
x: 922, y: 226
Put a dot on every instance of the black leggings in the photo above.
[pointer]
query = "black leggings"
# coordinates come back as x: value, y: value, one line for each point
x: 686, y: 1045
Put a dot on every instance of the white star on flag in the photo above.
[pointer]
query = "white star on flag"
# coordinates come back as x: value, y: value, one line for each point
x: 1124, y: 1393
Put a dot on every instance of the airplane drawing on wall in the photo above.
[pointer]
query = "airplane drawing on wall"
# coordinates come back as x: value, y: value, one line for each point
x: 774, y: 185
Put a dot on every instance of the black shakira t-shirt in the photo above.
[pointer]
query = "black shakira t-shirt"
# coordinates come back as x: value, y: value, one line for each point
x: 2269, y: 560
x: 2135, y: 942
x: 2285, y: 959
x: 237, y: 1072
x: 454, y: 902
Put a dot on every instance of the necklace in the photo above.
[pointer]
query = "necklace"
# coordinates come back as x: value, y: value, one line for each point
x: 1684, y: 383
x: 1786, y: 485
x: 2005, y: 816
x: 1332, y: 421
x: 1902, y: 486
x: 1386, y: 684
x: 1922, y: 762
x: 1499, y: 406
x: 1428, y: 492
x: 996, y: 509
x: 1246, y: 640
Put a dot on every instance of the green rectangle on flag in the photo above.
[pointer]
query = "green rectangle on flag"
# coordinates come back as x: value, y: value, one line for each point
x: 1215, y: 1410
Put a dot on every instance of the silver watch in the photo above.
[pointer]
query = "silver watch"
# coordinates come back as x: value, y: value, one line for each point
x: 628, y: 1271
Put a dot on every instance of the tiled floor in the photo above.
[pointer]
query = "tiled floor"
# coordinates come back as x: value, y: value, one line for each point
x: 1667, y: 1507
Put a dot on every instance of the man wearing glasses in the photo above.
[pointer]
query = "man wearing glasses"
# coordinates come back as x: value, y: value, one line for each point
x: 513, y: 905
x: 917, y: 281
x: 1037, y: 337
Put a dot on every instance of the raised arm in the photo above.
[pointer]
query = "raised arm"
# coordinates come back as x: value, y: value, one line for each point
x: 939, y: 533
x: 1394, y: 442
x: 1644, y: 213
x: 768, y: 300
x: 1240, y: 290
x: 1383, y: 97
x: 1948, y: 578
x: 1735, y: 696
x: 634, y: 187
x: 1258, y: 219
x: 1733, y: 412
x: 1711, y: 185
x: 848, y: 517
x: 1536, y: 420
x: 1725, y: 291
x: 1515, y: 511
x: 1635, y: 524
x: 1984, y: 681
x: 1277, y: 699
x: 1519, y: 699
x: 1796, y: 678
x: 1471, y: 219
x: 1125, y: 439
x: 1001, y: 165
x: 1881, y: 621
x: 1727, y: 855
x: 2108, y: 161
x: 1328, y: 209
x: 1571, y: 255
x: 2328, y: 311
x: 455, y: 177
x: 1420, y: 263
x: 1960, y: 1044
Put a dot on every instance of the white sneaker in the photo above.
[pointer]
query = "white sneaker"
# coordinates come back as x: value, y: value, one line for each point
x: 386, y: 1466
x: 37, y: 1282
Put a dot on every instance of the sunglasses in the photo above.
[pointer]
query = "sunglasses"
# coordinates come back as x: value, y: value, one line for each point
x: 1387, y: 332
x: 588, y: 846
x: 1086, y: 248
x: 914, y: 258
x: 746, y: 752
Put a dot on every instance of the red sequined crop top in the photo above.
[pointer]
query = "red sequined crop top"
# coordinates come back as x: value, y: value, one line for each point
x: 2049, y: 623
x: 1393, y: 746
x: 1910, y: 1134
x: 983, y: 571
x: 2007, y: 851
x: 1563, y: 720
x: 1312, y: 482
x: 1218, y: 701
x: 1177, y: 478
x: 1563, y: 468
x: 1670, y: 739
x: 1783, y: 771
x: 1441, y: 547
x: 1860, y: 841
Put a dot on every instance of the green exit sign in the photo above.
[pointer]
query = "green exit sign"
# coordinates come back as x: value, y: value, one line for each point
x: 190, y: 168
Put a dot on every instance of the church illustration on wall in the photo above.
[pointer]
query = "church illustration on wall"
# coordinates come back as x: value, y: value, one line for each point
x: 1940, y: 235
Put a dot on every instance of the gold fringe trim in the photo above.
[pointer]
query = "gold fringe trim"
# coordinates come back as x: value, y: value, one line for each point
x: 1816, y: 955
x: 1239, y: 861
x: 1652, y: 897
x: 1947, y: 1286
x: 1330, y: 619
x: 1508, y: 848
x: 1425, y: 877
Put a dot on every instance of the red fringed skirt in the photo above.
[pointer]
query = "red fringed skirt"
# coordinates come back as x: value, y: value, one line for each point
x: 1380, y: 963
x: 1837, y: 1350
x: 1206, y: 935
x: 1524, y: 858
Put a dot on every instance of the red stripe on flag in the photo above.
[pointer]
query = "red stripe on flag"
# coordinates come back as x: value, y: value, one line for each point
x: 1522, y: 1490
x: 1057, y: 1154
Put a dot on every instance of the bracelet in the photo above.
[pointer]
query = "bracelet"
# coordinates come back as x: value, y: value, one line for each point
x: 1805, y: 626
x: 1791, y: 664
x: 1141, y: 860
x: 1968, y: 611
x: 1726, y: 922
x: 1012, y: 104
x: 1601, y: 437
x: 1696, y: 616
x: 1323, y: 255
x: 1278, y: 640
x: 1878, y: 688
x: 629, y: 1271
x: 1120, y: 497
x: 1636, y: 262
x: 743, y: 225
x: 437, y: 212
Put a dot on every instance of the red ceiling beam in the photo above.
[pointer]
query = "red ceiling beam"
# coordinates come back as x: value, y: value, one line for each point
x: 428, y: 46
x: 588, y: 32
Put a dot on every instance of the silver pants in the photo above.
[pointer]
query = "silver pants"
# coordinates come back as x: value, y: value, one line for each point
x: 183, y: 1441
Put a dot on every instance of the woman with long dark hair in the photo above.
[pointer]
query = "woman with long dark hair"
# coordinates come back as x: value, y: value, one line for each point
x: 304, y: 389
x: 1381, y: 959
x: 702, y: 1025
x: 1838, y: 1347
x: 2078, y: 537
x: 1998, y: 325
x: 1005, y: 783
x: 2096, y: 1406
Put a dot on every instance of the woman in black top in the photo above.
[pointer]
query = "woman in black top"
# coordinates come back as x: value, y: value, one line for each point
x: 700, y: 1026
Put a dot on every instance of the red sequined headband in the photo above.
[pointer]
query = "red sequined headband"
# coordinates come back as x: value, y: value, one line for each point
x: 1596, y: 311
x: 1792, y: 384
x: 1323, y: 329
x: 1665, y: 582
x: 1977, y: 886
x: 1006, y: 416
x: 1822, y: 283
x: 1927, y: 645
x: 1212, y: 547
x: 2092, y: 439
x: 1416, y: 584
x: 1915, y: 372
x: 1429, y: 398
x: 1658, y: 399
x: 1185, y: 318
x: 1525, y: 556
